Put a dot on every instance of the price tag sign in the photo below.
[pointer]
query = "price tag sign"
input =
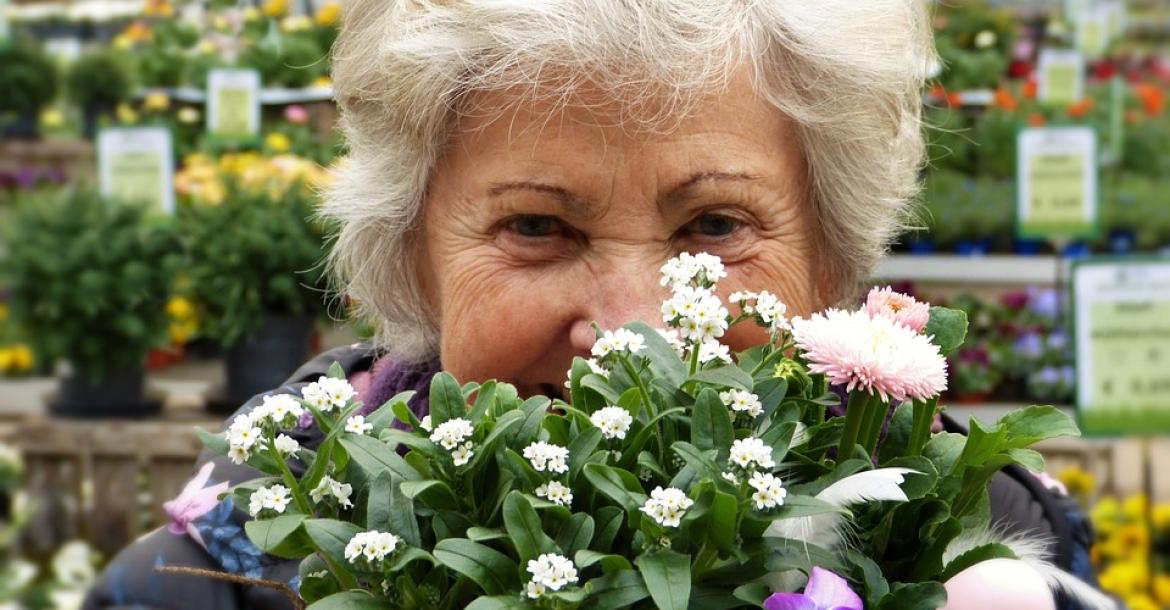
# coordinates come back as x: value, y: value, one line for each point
x: 136, y: 164
x: 1061, y: 78
x: 233, y: 103
x: 1121, y: 314
x: 1056, y: 183
x: 5, y: 28
x: 1093, y: 30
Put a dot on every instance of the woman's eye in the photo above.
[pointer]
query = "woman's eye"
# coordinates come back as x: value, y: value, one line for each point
x: 535, y: 226
x: 713, y: 225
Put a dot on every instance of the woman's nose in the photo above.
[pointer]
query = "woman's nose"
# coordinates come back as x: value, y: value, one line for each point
x: 633, y: 294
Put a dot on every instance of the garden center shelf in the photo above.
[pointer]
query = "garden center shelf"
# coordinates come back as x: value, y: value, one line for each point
x: 268, y: 96
x: 990, y: 269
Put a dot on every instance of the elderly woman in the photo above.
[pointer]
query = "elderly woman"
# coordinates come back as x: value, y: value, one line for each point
x: 520, y: 169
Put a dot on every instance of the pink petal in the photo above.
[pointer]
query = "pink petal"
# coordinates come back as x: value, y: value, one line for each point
x: 789, y: 601
x: 831, y: 591
x: 199, y: 481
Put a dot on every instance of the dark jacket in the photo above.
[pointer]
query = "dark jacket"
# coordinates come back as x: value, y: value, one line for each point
x: 1018, y: 502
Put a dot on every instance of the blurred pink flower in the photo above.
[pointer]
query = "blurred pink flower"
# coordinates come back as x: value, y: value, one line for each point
x: 873, y: 354
x: 296, y: 114
x: 901, y: 308
x: 193, y: 502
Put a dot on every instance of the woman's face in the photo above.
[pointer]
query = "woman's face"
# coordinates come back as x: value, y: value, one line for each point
x: 539, y: 222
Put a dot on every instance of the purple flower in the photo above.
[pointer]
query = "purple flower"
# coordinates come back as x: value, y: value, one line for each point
x: 824, y: 591
x: 1029, y: 345
x: 1044, y: 302
x: 193, y: 502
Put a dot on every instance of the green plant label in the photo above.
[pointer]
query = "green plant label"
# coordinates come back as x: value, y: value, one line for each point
x: 135, y: 164
x: 1061, y: 77
x: 233, y: 103
x: 1057, y: 183
x: 1093, y: 28
x: 1122, y: 319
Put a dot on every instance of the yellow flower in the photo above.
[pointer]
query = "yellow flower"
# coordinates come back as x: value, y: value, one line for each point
x: 1141, y: 602
x: 251, y: 14
x: 5, y: 360
x: 328, y: 15
x: 52, y: 118
x: 295, y: 23
x: 1135, y: 507
x: 1160, y: 517
x: 22, y: 358
x: 159, y: 8
x: 181, y: 332
x: 126, y: 114
x: 207, y: 47
x: 322, y: 82
x: 277, y: 142
x: 1133, y: 537
x: 220, y: 23
x: 180, y: 308
x: 189, y: 115
x: 1161, y: 588
x: 1079, y: 482
x: 1126, y: 578
x: 123, y: 42
x: 274, y: 8
x: 3, y: 311
x: 1106, y: 515
x: 156, y: 101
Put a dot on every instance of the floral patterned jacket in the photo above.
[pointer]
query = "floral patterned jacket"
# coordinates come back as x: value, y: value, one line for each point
x: 208, y: 534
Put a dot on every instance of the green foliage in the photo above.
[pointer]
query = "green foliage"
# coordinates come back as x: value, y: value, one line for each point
x: 290, y: 60
x: 90, y: 279
x: 974, y: 43
x: 28, y: 79
x: 963, y: 207
x: 100, y: 78
x: 254, y: 256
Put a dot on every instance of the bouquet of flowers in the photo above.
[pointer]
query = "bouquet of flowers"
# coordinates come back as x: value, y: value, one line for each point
x: 676, y: 475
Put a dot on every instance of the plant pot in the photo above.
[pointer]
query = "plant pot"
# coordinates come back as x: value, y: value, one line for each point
x: 263, y: 360
x: 920, y: 247
x: 120, y: 394
x: 1122, y: 241
x: 973, y: 247
x: 1028, y: 247
x: 92, y: 116
x: 1076, y: 249
x: 971, y: 398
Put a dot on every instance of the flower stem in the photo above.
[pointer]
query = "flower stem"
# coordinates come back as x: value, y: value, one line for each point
x: 878, y: 410
x: 854, y: 416
x: 920, y: 432
x: 651, y: 411
x: 289, y: 479
x: 703, y: 561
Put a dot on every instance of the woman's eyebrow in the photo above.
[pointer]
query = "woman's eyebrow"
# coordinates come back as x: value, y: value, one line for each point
x: 571, y: 202
x: 682, y: 190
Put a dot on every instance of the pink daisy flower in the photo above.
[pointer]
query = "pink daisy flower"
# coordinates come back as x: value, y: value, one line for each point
x: 874, y: 354
x: 901, y: 308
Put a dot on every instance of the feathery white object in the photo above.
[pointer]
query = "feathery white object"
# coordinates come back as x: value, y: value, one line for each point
x: 883, y: 484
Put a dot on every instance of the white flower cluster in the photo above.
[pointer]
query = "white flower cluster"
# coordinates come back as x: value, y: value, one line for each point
x: 622, y: 340
x: 425, y: 423
x: 594, y: 367
x: 373, y: 546
x: 242, y: 436
x: 357, y: 424
x: 555, y: 492
x: 768, y: 310
x: 614, y: 422
x: 550, y: 572
x: 770, y: 491
x: 667, y: 506
x: 751, y: 451
x: 328, y: 393
x: 328, y: 487
x: 698, y: 314
x: 700, y: 269
x: 742, y: 401
x: 671, y: 336
x: 286, y: 445
x: 451, y: 435
x: 282, y: 410
x: 547, y: 457
x: 274, y: 412
x: 714, y: 350
x: 274, y: 497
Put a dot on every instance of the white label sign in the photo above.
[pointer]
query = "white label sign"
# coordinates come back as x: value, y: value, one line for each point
x: 1061, y: 76
x: 136, y: 164
x: 233, y: 103
x: 1056, y: 182
x: 1122, y: 323
x: 1093, y: 29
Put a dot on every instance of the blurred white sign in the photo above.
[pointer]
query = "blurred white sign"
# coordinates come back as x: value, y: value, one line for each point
x: 233, y: 103
x: 136, y: 164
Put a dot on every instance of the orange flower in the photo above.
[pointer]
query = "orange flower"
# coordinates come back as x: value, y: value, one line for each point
x: 937, y: 91
x: 1152, y: 98
x: 1081, y: 109
x: 1036, y: 120
x: 1029, y: 90
x: 954, y: 100
x: 1005, y: 100
x: 137, y: 32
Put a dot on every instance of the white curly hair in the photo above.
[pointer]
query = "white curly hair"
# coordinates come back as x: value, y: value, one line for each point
x: 847, y: 73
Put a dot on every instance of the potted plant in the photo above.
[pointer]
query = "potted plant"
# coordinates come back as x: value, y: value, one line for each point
x: 89, y: 279
x: 28, y: 83
x: 255, y: 274
x: 98, y: 82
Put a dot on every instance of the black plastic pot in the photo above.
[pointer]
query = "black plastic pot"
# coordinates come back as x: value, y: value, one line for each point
x: 91, y: 117
x: 263, y: 360
x: 119, y: 394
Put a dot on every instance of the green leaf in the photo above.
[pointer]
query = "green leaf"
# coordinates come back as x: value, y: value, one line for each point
x: 876, y: 586
x: 712, y: 598
x: 599, y: 385
x: 446, y: 399
x: 1031, y: 425
x: 384, y: 416
x: 407, y: 556
x: 434, y: 494
x: 498, y: 602
x: 616, y: 590
x: 664, y: 361
x: 378, y: 503
x: 487, y: 534
x: 618, y: 485
x: 723, y: 520
x: 753, y: 593
x: 711, y: 422
x: 535, y: 409
x: 335, y: 371
x: 947, y: 328
x: 450, y: 524
x: 278, y: 536
x: 375, y: 457
x: 609, y: 563
x: 483, y: 400
x: 944, y: 450
x: 575, y: 534
x: 349, y: 600
x: 487, y: 449
x: 581, y: 448
x: 493, y: 571
x: 976, y: 555
x: 523, y: 525
x: 1028, y: 458
x: 630, y: 453
x: 704, y: 461
x: 667, y: 575
x: 331, y: 536
x: 609, y: 523
x: 916, y: 596
x: 729, y: 376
